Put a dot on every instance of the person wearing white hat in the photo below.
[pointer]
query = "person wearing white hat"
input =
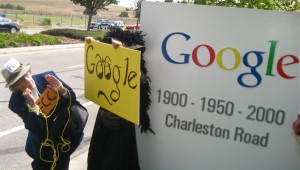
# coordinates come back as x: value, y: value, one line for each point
x: 49, y: 142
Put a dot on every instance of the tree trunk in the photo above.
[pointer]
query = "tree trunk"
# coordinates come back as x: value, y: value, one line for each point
x: 89, y: 22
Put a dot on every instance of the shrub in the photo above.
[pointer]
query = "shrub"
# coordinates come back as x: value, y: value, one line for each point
x: 11, y: 6
x: 23, y: 40
x: 19, y: 7
x: 124, y: 14
x: 13, y: 44
x: 76, y: 34
x: 46, y: 22
x: 46, y: 37
x: 3, y: 43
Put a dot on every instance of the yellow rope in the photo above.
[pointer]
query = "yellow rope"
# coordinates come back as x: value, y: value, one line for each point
x: 65, y: 146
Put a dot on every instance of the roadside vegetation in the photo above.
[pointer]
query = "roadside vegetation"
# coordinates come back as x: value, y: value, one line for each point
x: 24, y: 40
x: 76, y: 34
x: 49, y: 37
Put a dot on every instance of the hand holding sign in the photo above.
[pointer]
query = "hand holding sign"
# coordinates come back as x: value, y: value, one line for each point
x: 115, y: 43
x: 47, y: 101
x: 27, y: 93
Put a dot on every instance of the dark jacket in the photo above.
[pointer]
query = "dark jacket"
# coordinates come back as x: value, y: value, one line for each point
x: 35, y: 123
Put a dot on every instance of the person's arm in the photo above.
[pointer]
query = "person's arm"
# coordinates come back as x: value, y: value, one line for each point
x: 56, y: 84
x: 32, y: 121
x: 296, y: 125
x: 27, y: 93
x: 65, y: 91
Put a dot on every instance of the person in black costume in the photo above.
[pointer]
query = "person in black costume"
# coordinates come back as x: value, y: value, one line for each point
x: 113, y: 145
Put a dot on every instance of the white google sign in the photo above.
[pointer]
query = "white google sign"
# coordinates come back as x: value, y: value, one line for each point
x: 225, y: 88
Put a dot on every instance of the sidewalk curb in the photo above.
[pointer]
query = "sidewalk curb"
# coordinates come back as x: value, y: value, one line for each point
x: 39, y: 48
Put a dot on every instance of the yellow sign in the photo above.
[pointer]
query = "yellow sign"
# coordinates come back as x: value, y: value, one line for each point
x: 112, y: 79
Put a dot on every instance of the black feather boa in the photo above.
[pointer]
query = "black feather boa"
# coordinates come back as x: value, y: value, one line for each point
x: 130, y: 38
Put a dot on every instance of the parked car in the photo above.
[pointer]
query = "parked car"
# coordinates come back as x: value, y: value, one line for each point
x: 3, y: 15
x: 7, y: 25
x: 132, y: 27
x: 118, y: 24
x: 100, y: 24
x: 104, y: 25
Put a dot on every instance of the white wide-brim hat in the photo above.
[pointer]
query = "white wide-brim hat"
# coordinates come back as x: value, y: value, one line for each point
x: 13, y: 71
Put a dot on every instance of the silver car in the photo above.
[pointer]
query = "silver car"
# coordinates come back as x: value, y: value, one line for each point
x: 100, y: 24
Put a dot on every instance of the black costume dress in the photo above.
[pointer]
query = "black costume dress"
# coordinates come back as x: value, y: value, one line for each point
x: 113, y: 145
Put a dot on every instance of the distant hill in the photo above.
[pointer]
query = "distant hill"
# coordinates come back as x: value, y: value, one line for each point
x: 67, y: 8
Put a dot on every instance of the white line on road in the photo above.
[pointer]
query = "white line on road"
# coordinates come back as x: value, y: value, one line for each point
x: 75, y: 66
x: 12, y: 130
x: 18, y: 128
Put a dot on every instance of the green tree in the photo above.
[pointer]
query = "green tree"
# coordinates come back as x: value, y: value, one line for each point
x: 11, y: 6
x: 91, y: 7
x: 137, y: 11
